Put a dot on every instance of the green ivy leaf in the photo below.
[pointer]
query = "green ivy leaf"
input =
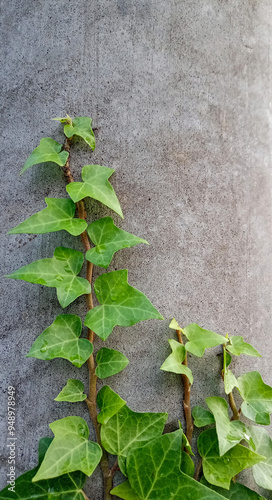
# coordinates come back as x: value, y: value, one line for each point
x: 81, y: 126
x: 238, y: 346
x: 96, y: 185
x: 154, y: 472
x: 230, y: 381
x: 48, y: 150
x: 109, y: 362
x: 72, y: 392
x: 122, y: 304
x: 68, y: 486
x: 58, y: 272
x: 174, y: 362
x: 202, y: 417
x: 108, y: 239
x: 61, y: 340
x: 125, y: 491
x: 200, y: 339
x: 237, y: 491
x: 109, y: 403
x: 220, y: 470
x: 229, y: 433
x: 174, y: 325
x: 70, y: 450
x: 257, y: 397
x: 57, y: 216
x: 262, y: 472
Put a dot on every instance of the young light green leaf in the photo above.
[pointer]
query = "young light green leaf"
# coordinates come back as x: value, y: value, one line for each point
x: 48, y: 150
x: 61, y: 340
x: 65, y: 119
x: 185, y: 443
x: 125, y: 492
x: 96, y: 185
x: 230, y: 381
x: 154, y: 472
x: 59, y: 272
x: 174, y: 362
x: 122, y: 304
x: 257, y: 397
x: 72, y: 392
x: 109, y: 362
x: 174, y: 325
x: 81, y: 126
x: 66, y: 486
x: 58, y: 215
x: 229, y: 433
x: 109, y: 403
x: 200, y: 339
x: 220, y: 470
x: 202, y: 417
x: 70, y: 450
x: 237, y: 346
x: 237, y: 491
x: 108, y: 239
x: 262, y: 472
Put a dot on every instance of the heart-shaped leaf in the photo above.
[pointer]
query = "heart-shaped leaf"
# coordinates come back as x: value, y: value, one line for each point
x: 59, y: 272
x: 58, y: 215
x: 109, y: 362
x: 72, y: 392
x: 70, y: 450
x: 96, y: 185
x: 125, y: 491
x: 257, y: 397
x: 174, y: 362
x: 48, y: 150
x: 237, y: 491
x: 220, y: 470
x: 81, y: 126
x: 202, y: 417
x: 263, y: 443
x: 109, y: 403
x: 68, y: 486
x: 201, y: 339
x: 237, y: 346
x: 122, y: 304
x: 108, y: 239
x: 61, y: 340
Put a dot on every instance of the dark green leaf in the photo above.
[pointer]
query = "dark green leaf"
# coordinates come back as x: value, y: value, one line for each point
x: 200, y: 339
x: 48, y: 150
x: 122, y: 304
x: 96, y: 185
x: 57, y: 216
x: 109, y: 362
x: 61, y: 340
x: 108, y: 239
x: 109, y: 403
x: 174, y: 362
x: 236, y: 492
x: 59, y: 272
x: 125, y: 491
x: 238, y: 346
x: 70, y: 450
x: 257, y: 397
x: 262, y: 472
x: 202, y: 417
x: 81, y: 126
x: 72, y: 392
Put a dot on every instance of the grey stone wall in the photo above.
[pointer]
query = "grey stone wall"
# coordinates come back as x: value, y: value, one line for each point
x: 180, y: 95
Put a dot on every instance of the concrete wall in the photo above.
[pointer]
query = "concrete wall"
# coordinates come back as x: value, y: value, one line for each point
x: 180, y: 94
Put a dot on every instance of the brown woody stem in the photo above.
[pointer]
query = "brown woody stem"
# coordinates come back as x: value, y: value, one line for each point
x: 187, y: 395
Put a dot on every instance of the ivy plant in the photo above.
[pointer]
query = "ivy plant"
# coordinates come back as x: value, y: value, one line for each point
x: 155, y: 465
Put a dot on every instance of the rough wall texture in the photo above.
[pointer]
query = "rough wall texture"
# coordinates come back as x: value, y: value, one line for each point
x: 180, y: 94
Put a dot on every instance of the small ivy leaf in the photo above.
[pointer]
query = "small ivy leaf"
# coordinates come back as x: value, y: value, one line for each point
x: 174, y: 362
x: 230, y: 381
x: 58, y: 272
x: 187, y: 464
x: 109, y: 362
x: 174, y: 325
x: 257, y: 396
x: 70, y: 450
x: 108, y: 239
x: 72, y: 392
x: 122, y: 304
x: 96, y: 185
x: 186, y: 444
x: 237, y: 491
x: 263, y: 443
x: 228, y: 359
x: 109, y: 403
x: 202, y: 417
x: 66, y: 486
x: 48, y: 150
x: 125, y: 492
x: 66, y: 119
x: 58, y: 215
x: 81, y: 126
x: 220, y: 470
x: 229, y: 433
x: 237, y: 346
x: 61, y: 340
x: 200, y: 339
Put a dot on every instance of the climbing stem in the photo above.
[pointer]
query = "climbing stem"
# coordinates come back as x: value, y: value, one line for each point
x: 187, y: 396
